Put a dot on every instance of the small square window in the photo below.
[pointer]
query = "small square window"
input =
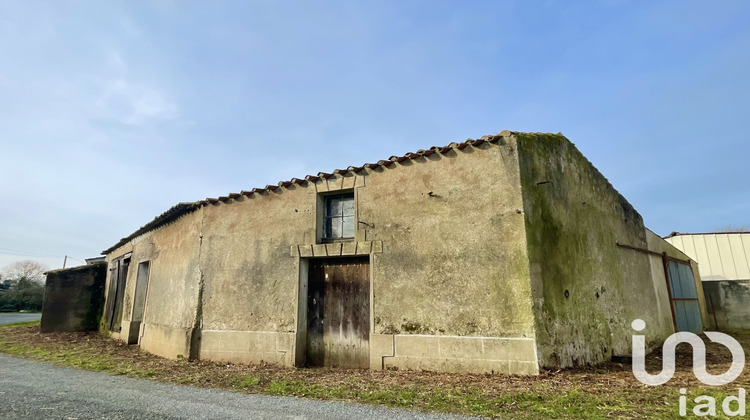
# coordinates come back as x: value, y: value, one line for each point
x: 339, y: 217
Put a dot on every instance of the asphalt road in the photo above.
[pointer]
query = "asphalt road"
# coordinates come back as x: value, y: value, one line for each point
x: 34, y: 390
x: 11, y: 317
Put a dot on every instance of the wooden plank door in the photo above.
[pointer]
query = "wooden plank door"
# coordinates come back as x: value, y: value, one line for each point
x: 338, y: 313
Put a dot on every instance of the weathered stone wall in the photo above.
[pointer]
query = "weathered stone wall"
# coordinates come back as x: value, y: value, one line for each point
x: 586, y: 289
x: 728, y: 304
x: 249, y: 308
x: 454, y: 259
x: 454, y: 265
x: 73, y: 298
x: 446, y: 241
x: 172, y: 298
x: 448, y: 260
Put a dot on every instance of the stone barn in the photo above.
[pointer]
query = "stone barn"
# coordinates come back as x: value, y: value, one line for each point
x: 505, y: 254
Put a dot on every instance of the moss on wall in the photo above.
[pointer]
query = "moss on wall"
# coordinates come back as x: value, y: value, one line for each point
x: 586, y: 290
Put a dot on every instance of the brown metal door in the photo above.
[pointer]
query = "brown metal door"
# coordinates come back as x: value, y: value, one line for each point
x: 338, y: 313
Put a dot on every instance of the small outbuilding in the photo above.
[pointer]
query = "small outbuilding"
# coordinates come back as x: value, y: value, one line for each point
x: 74, y: 298
x: 507, y: 253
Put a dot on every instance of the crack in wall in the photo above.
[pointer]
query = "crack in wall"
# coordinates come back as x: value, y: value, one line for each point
x: 196, y: 331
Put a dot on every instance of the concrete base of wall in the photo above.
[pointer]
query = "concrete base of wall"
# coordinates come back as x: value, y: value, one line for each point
x: 248, y: 347
x: 728, y: 304
x: 515, y: 356
x: 164, y: 341
x: 130, y: 332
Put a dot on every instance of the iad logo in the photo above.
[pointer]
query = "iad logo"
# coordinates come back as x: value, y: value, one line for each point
x: 699, y: 357
x: 706, y: 405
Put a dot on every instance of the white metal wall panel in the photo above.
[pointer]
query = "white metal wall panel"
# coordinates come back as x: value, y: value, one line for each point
x: 720, y: 256
x: 701, y: 250
x: 725, y: 254
x: 687, y: 245
x: 739, y: 256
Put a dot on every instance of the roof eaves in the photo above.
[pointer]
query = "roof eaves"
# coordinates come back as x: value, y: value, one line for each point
x: 185, y: 208
x: 673, y: 234
x: 168, y: 216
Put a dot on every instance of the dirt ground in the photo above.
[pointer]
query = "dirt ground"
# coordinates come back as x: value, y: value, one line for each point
x: 604, y: 391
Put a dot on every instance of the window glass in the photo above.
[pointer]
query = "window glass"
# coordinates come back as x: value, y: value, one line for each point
x: 336, y: 231
x: 339, y: 217
x: 334, y: 206
x: 348, y: 207
x: 348, y: 228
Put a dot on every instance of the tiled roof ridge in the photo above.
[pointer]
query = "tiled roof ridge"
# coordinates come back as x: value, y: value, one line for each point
x: 174, y: 213
x: 356, y: 169
x: 181, y: 209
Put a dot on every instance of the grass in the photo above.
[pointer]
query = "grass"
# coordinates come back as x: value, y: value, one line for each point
x: 20, y: 324
x: 607, y: 391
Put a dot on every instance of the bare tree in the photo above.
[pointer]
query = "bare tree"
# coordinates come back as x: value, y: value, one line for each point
x: 733, y: 228
x: 23, y: 286
x: 25, y: 270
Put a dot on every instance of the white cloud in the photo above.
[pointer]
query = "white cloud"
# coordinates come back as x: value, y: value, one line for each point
x: 129, y: 101
x: 129, y: 28
x: 115, y: 61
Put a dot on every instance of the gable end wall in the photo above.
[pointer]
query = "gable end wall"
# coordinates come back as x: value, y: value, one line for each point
x: 586, y: 289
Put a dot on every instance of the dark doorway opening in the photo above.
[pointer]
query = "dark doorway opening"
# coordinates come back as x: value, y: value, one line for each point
x: 118, y: 275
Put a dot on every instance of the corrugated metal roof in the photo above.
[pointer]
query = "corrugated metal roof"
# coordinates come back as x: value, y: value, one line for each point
x: 184, y: 208
x: 720, y: 256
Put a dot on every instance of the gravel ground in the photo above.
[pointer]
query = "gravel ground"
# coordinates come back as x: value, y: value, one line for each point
x: 34, y: 390
x: 11, y: 317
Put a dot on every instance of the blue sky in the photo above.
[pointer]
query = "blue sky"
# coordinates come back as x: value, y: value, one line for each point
x: 111, y: 112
